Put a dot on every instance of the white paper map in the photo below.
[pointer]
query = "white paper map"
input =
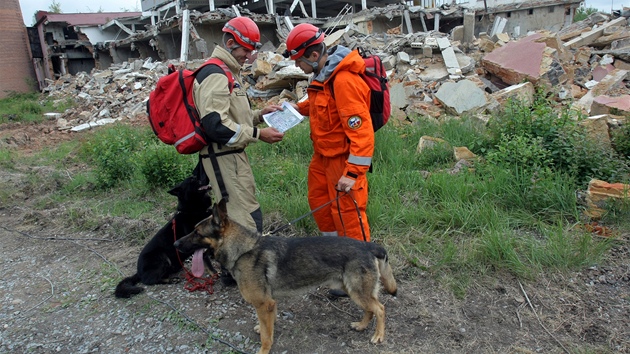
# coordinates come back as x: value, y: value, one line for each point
x: 285, y: 119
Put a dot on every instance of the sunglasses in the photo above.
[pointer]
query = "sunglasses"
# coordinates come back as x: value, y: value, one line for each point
x: 289, y: 53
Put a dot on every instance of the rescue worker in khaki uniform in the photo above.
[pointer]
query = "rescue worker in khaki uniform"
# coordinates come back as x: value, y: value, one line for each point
x: 341, y: 130
x: 230, y: 123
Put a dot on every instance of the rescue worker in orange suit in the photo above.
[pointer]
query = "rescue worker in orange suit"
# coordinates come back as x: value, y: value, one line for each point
x: 341, y: 130
x: 230, y: 126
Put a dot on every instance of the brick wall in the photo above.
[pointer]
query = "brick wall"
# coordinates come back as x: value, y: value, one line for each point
x: 16, y: 69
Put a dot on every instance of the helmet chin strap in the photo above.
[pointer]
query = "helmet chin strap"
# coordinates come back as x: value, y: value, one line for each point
x: 315, y: 64
x: 232, y: 48
x: 312, y: 64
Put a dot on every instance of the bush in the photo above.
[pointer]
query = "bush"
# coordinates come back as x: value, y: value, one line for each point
x: 112, y: 151
x: 621, y: 140
x: 162, y: 166
x: 557, y: 142
x: 522, y: 151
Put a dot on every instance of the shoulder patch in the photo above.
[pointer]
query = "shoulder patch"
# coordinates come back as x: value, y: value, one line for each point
x: 354, y: 122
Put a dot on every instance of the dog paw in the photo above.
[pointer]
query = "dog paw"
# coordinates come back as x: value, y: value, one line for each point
x: 377, y: 338
x: 257, y: 328
x: 358, y: 326
x: 174, y: 280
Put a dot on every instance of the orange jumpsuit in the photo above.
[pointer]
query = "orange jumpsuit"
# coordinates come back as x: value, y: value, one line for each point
x: 343, y: 144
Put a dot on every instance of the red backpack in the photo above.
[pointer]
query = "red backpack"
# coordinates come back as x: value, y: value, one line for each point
x: 376, y: 79
x: 172, y: 112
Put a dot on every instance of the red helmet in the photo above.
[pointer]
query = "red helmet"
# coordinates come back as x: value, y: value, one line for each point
x: 301, y: 37
x: 245, y: 32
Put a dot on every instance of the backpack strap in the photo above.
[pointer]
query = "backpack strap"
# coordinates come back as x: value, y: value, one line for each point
x: 212, y: 155
x: 218, y: 62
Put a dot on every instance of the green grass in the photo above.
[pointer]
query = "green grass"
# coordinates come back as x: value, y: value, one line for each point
x: 515, y: 211
x: 29, y: 107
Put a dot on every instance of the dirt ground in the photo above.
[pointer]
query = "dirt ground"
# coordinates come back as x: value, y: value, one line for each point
x: 56, y: 295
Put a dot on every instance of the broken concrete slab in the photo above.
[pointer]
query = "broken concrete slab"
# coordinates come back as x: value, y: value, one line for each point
x: 523, y: 93
x: 461, y: 97
x: 433, y: 72
x: 597, y: 130
x: 428, y: 142
x: 448, y: 54
x: 602, y: 88
x: 398, y: 96
x: 605, y: 104
x: 260, y: 68
x: 599, y: 192
x: 539, y: 65
x: 590, y: 36
x: 95, y: 124
x: 425, y: 109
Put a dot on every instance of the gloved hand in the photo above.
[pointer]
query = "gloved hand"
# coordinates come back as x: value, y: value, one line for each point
x: 345, y: 184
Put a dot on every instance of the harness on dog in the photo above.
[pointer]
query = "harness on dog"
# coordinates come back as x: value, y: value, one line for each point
x: 194, y: 283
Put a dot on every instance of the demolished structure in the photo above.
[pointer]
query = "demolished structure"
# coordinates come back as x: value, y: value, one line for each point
x: 456, y: 68
x: 189, y: 29
x: 459, y: 67
x: 431, y: 74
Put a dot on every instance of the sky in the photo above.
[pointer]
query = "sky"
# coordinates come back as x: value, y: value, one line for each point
x: 29, y: 7
x: 606, y: 5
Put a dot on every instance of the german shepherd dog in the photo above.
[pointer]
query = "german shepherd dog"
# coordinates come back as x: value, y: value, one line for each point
x: 158, y: 260
x: 269, y: 267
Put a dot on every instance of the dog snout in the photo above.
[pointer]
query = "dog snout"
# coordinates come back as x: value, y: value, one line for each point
x: 178, y: 244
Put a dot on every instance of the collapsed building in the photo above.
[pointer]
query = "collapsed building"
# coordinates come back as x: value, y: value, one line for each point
x: 435, y: 52
x: 442, y: 60
x: 189, y: 29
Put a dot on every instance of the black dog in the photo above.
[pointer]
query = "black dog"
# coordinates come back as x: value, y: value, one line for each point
x: 158, y: 259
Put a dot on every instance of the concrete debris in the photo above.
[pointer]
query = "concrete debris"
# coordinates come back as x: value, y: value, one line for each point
x: 462, y: 97
x: 600, y: 193
x: 583, y: 66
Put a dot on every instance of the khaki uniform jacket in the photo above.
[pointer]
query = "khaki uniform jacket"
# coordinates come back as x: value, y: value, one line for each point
x: 233, y: 120
x: 229, y: 123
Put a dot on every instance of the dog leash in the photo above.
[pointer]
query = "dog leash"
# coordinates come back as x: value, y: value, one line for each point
x: 356, y: 206
x: 339, y: 195
x: 194, y: 283
x: 303, y: 216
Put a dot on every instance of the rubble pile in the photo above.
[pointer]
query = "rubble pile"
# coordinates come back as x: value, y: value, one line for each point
x: 584, y: 66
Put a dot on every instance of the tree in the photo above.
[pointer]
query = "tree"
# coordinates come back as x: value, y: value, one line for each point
x: 55, y: 7
x: 582, y: 13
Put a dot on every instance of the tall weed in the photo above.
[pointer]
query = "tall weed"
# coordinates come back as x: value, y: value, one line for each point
x: 112, y: 151
x: 542, y: 136
x: 162, y: 166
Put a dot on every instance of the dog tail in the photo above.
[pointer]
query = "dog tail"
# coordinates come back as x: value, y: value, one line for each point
x: 127, y: 287
x: 387, y: 276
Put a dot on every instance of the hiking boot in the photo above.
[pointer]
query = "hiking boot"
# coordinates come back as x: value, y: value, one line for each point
x: 337, y: 293
x: 226, y: 278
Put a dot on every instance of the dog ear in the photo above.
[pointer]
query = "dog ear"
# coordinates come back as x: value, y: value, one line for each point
x: 175, y: 190
x: 179, y: 188
x: 220, y: 211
